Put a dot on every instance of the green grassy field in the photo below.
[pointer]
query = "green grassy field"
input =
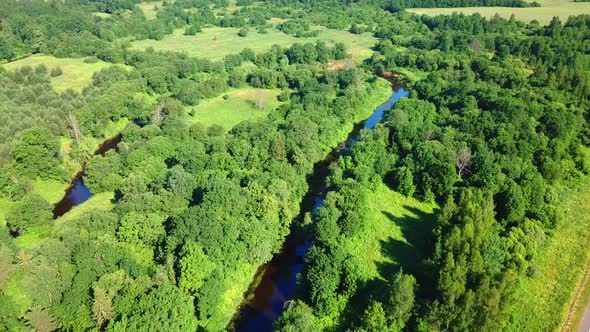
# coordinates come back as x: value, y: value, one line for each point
x: 543, y: 14
x: 215, y: 43
x: 76, y: 73
x: 51, y: 190
x: 542, y: 302
x: 395, y: 234
x: 148, y: 9
x: 4, y: 206
x: 240, y: 106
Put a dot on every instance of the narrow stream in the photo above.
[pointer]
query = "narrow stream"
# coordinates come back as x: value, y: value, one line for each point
x: 77, y: 192
x: 265, y: 302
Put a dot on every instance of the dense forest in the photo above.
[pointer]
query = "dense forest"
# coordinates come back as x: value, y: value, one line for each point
x: 498, y: 121
x: 495, y: 125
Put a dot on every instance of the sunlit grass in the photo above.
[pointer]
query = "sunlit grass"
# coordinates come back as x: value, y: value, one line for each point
x: 76, y: 73
x: 392, y: 222
x: 51, y: 190
x: 148, y: 9
x: 544, y: 14
x: 542, y: 302
x: 215, y: 43
x: 240, y: 105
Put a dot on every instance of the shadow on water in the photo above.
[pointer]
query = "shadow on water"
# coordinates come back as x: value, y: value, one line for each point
x: 276, y: 282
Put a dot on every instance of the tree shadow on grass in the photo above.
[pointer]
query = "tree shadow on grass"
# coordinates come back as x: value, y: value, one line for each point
x: 409, y: 255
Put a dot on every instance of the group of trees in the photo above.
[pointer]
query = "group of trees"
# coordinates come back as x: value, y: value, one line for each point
x: 497, y: 123
x: 195, y: 209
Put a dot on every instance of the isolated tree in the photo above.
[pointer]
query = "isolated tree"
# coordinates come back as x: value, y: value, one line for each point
x: 74, y: 127
x: 102, y: 308
x: 260, y: 102
x: 56, y: 71
x: 243, y: 32
x: 463, y: 160
x: 40, y: 320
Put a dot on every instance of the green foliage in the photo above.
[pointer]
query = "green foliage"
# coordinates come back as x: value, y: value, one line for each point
x: 165, y: 308
x: 30, y: 212
x: 243, y: 32
x: 298, y: 318
x: 36, y: 154
x: 195, y: 267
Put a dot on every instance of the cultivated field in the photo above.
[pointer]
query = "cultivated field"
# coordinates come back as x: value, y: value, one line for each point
x: 215, y: 43
x: 543, y: 14
x: 76, y: 73
x: 240, y: 105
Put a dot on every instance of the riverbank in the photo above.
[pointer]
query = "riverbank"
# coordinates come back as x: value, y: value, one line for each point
x: 275, y: 283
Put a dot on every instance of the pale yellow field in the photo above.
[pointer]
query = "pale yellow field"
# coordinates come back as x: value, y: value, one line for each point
x: 76, y: 73
x: 215, y: 43
x: 544, y: 14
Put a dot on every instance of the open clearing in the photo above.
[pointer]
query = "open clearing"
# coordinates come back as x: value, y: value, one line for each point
x: 240, y: 105
x: 215, y: 43
x: 395, y: 234
x: 76, y: 73
x: 542, y: 302
x: 148, y: 9
x: 543, y: 14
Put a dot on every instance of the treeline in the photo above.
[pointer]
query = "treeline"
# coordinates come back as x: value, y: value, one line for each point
x: 399, y: 4
x: 496, y: 125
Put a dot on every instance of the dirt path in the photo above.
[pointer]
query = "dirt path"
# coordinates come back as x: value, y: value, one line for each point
x: 574, y: 307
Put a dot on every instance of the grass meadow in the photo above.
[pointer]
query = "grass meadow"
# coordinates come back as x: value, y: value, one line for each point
x: 76, y: 73
x: 542, y: 302
x: 395, y: 234
x: 240, y: 105
x: 543, y: 14
x: 215, y: 43
x: 149, y: 8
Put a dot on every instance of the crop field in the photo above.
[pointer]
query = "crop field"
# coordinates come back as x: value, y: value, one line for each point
x: 542, y: 302
x: 76, y: 73
x: 215, y: 43
x: 543, y: 14
x: 240, y: 105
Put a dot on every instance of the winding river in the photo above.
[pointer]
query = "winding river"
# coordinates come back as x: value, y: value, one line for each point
x: 276, y: 282
x: 77, y: 192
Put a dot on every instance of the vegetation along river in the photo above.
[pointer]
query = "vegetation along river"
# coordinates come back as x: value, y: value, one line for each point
x: 276, y: 282
x: 77, y: 192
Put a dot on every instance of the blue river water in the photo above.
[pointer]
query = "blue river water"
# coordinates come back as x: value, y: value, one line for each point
x: 279, y: 280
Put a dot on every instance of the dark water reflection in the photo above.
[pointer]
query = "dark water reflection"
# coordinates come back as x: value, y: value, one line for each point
x: 279, y: 279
